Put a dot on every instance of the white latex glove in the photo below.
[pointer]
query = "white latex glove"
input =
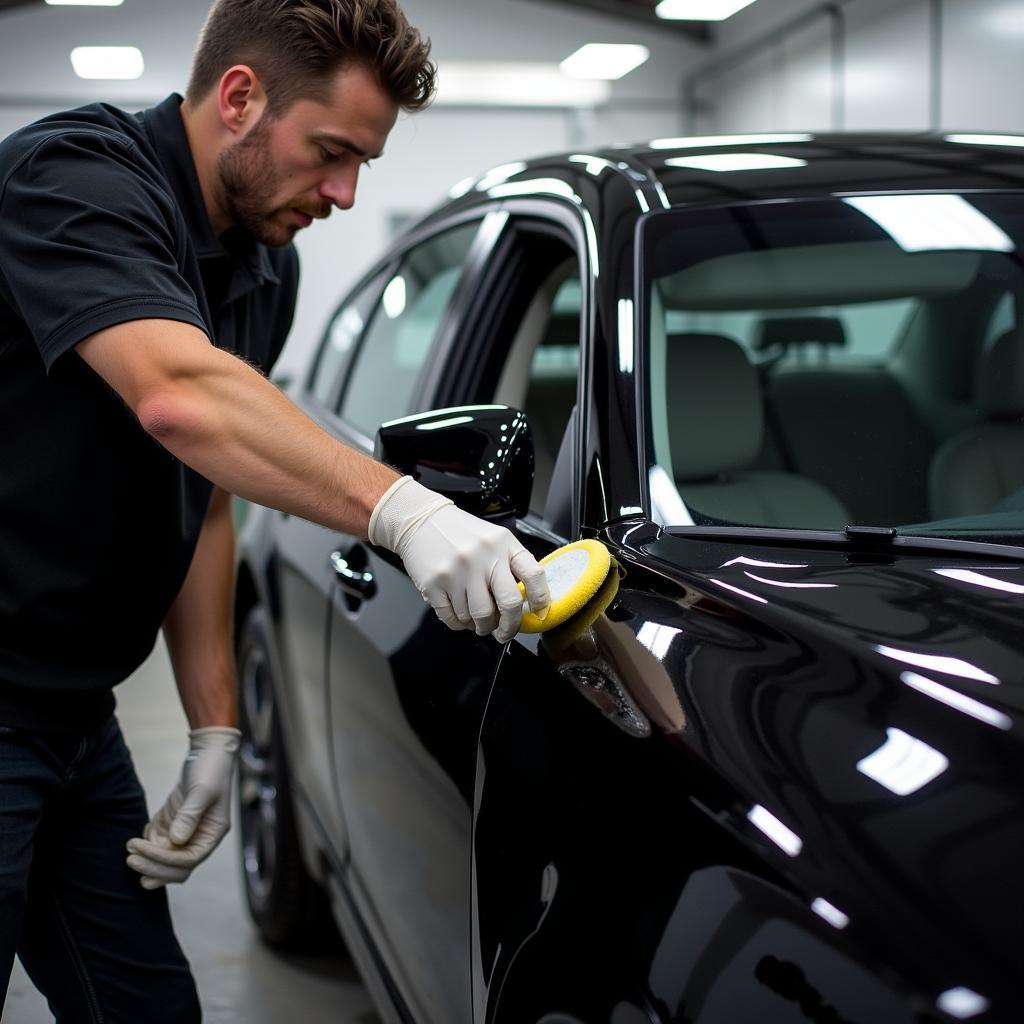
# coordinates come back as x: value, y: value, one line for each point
x: 197, y: 814
x: 464, y: 567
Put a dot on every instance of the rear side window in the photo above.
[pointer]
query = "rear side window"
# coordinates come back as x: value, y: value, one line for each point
x: 402, y: 330
x: 342, y: 335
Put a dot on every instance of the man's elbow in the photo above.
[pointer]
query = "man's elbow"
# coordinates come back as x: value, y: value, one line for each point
x: 167, y: 416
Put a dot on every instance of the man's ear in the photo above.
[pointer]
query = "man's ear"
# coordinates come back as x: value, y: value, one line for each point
x: 241, y: 99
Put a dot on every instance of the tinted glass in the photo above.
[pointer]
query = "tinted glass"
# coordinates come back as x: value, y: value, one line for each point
x: 860, y: 360
x: 402, y: 330
x: 343, y: 333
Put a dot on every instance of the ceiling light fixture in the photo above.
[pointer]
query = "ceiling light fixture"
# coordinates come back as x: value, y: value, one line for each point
x: 515, y: 84
x: 699, y: 10
x: 107, y: 62
x: 608, y: 61
x: 85, y: 3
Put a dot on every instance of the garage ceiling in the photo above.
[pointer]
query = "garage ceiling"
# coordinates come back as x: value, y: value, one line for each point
x: 642, y: 11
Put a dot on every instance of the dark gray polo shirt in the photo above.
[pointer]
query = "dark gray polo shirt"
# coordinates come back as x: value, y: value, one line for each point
x: 102, y: 221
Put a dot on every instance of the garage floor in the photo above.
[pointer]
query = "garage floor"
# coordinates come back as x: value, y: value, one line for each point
x: 239, y: 979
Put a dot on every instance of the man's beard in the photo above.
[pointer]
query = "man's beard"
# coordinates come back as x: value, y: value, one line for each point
x: 249, y: 182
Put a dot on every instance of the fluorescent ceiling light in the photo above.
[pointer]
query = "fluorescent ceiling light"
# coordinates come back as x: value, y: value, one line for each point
x: 699, y: 10
x: 987, y: 140
x: 605, y: 60
x: 709, y: 141
x: 903, y: 764
x: 920, y: 223
x: 85, y: 3
x: 107, y: 62
x: 515, y: 84
x: 785, y: 838
x: 735, y: 162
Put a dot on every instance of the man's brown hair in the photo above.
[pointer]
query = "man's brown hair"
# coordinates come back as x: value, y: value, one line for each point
x: 296, y: 46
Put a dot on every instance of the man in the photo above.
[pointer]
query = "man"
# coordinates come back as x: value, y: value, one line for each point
x: 146, y: 278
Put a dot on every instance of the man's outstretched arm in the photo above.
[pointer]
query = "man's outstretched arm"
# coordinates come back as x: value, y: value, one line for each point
x: 228, y: 422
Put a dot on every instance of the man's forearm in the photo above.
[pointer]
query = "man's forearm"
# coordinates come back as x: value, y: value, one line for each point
x: 198, y: 628
x: 228, y: 422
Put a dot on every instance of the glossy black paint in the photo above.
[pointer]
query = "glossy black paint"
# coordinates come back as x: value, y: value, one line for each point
x: 479, y: 456
x: 579, y: 828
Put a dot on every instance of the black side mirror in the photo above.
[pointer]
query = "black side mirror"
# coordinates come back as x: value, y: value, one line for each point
x: 480, y: 456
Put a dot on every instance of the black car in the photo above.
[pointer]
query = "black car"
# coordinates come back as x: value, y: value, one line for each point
x: 774, y: 771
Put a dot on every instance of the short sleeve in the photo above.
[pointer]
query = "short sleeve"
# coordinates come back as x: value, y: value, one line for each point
x: 89, y: 239
x: 288, y: 271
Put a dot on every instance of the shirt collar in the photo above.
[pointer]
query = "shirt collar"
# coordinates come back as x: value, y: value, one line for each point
x: 167, y: 133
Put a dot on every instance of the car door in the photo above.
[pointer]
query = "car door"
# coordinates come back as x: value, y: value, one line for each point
x: 404, y: 693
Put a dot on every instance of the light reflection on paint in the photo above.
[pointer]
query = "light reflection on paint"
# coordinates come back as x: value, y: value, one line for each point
x: 830, y: 913
x: 394, y: 297
x: 626, y: 335
x: 742, y: 593
x: 955, y: 699
x: 939, y: 663
x: 903, y: 764
x: 757, y: 563
x: 962, y: 1003
x: 657, y: 638
x: 794, y: 586
x: 785, y: 838
x: 981, y: 580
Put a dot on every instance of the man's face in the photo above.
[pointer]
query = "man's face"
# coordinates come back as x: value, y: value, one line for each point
x: 286, y: 172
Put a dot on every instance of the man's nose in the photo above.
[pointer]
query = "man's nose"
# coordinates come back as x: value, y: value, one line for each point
x: 340, y: 188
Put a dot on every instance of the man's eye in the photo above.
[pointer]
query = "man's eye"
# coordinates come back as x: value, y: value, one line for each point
x: 327, y: 156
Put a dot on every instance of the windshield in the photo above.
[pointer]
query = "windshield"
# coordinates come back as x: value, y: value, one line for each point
x: 818, y: 364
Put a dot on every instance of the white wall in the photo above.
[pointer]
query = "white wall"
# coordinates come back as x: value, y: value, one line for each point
x: 887, y: 70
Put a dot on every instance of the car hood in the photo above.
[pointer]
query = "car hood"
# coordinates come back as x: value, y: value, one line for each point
x: 859, y: 721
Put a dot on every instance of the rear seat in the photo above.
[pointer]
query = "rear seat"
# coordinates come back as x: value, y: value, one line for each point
x: 856, y: 431
x: 978, y: 469
x: 716, y: 430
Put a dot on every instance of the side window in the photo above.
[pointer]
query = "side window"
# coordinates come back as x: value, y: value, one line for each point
x: 343, y: 332
x: 402, y: 330
x: 542, y: 369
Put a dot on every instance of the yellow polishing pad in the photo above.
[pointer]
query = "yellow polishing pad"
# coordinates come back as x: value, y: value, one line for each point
x: 575, y: 574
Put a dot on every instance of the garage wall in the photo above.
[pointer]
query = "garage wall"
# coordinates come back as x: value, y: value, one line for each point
x: 863, y: 64
x: 427, y: 153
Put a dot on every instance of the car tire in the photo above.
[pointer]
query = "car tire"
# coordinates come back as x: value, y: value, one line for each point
x: 290, y: 910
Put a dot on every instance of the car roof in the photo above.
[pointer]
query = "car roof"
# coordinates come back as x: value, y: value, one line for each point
x: 689, y: 170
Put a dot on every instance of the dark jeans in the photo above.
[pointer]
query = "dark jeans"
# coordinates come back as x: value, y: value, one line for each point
x: 96, y: 944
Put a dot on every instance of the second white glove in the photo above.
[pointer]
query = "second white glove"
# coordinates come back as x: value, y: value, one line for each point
x: 197, y: 814
x: 464, y: 567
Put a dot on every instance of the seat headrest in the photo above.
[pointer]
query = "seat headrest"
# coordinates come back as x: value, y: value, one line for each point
x: 715, y: 415
x: 800, y: 330
x: 999, y: 382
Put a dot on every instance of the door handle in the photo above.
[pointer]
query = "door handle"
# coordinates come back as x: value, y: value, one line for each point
x: 359, y: 583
